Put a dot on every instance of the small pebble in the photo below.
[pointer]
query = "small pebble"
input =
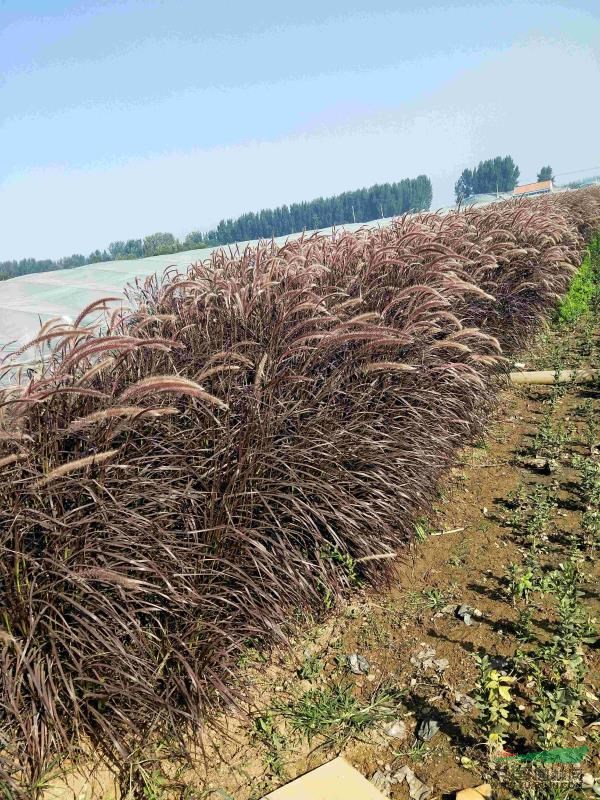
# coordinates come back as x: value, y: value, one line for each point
x: 358, y: 664
x: 427, y: 729
x: 396, y: 729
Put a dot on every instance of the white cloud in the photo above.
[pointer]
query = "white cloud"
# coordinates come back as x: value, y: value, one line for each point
x: 533, y: 101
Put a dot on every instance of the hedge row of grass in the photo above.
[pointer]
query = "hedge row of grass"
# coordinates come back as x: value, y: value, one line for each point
x: 225, y: 458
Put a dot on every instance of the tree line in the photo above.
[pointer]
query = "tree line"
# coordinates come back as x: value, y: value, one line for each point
x: 493, y: 175
x: 499, y: 174
x: 361, y: 205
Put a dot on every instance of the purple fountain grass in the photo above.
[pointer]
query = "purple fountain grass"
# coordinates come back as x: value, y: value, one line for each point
x: 173, y: 486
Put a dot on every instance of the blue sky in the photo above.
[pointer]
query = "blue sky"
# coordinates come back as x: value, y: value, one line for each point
x: 121, y: 118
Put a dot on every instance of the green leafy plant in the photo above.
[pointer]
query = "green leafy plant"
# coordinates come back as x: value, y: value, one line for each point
x: 493, y: 698
x: 590, y: 495
x: 517, y: 502
x: 558, y: 668
x: 520, y: 583
x: 556, y: 708
x: 310, y: 667
x: 551, y: 437
x: 524, y: 625
x: 539, y: 515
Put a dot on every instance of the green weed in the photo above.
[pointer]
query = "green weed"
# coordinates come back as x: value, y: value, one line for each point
x: 266, y: 731
x: 435, y: 599
x: 583, y: 289
x: 335, y: 713
x: 310, y: 667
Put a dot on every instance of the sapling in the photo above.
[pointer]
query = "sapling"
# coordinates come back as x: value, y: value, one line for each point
x: 517, y: 501
x: 520, y: 583
x: 524, y: 625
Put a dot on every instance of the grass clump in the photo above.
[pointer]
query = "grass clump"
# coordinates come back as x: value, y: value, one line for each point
x: 336, y: 714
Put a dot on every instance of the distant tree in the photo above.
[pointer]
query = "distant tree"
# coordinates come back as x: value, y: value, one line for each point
x: 494, y: 175
x: 578, y: 184
x: 76, y: 260
x: 157, y: 244
x: 463, y: 187
x: 116, y: 250
x: 360, y: 205
x: 545, y: 174
x: 193, y: 241
x: 134, y: 248
x: 96, y: 257
x: 8, y: 269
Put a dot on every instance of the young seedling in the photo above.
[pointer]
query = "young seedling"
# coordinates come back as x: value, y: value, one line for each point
x: 551, y: 437
x: 524, y: 625
x: 590, y: 433
x: 268, y: 734
x: 516, y: 501
x: 520, y: 583
x: 493, y: 698
x: 542, y: 504
x: 590, y: 496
